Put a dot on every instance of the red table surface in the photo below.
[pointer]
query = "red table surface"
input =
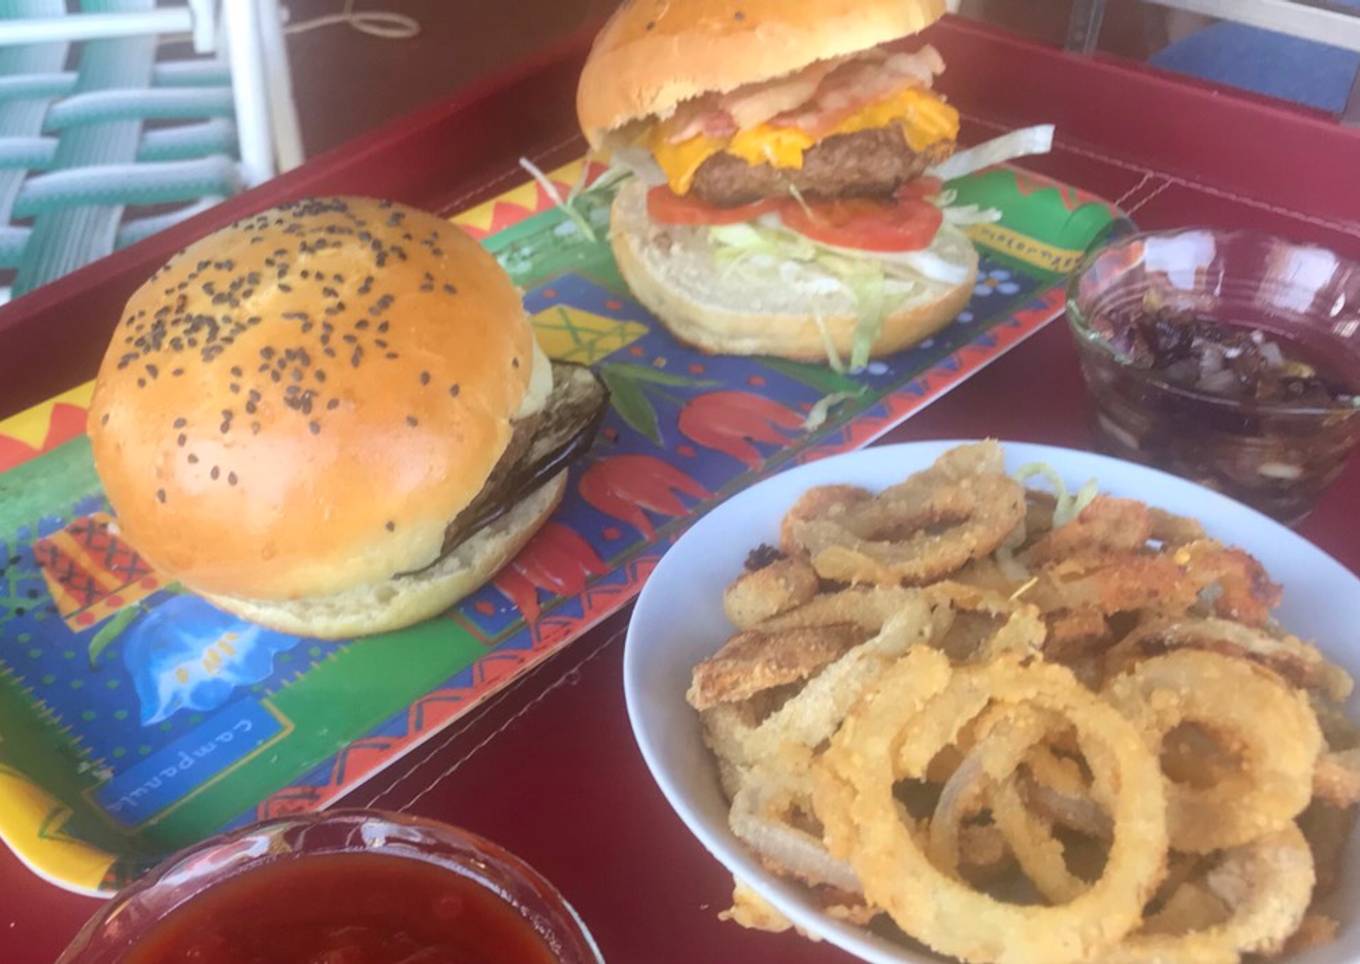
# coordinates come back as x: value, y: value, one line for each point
x: 549, y: 768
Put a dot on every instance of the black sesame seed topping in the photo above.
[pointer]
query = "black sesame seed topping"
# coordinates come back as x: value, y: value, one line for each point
x: 181, y: 422
x: 193, y: 459
x: 411, y: 421
x: 424, y: 378
x: 391, y: 527
x: 231, y: 478
x: 214, y: 473
x: 454, y: 389
x: 181, y: 440
x: 314, y: 427
x: 160, y: 495
x: 333, y: 404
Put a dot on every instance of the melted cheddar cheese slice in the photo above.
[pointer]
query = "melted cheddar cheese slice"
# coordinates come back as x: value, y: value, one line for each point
x: 924, y: 118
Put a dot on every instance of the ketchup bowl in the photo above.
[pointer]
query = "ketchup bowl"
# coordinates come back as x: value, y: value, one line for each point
x: 341, y: 887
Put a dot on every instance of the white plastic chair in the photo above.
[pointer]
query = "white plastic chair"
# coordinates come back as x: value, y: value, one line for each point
x: 75, y: 151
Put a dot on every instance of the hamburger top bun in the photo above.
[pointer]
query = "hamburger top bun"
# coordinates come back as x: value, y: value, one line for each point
x: 654, y: 54
x: 299, y: 403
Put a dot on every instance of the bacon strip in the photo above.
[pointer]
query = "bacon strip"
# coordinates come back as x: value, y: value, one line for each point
x: 815, y: 99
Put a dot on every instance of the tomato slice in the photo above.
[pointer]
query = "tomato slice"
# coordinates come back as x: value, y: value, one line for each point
x: 921, y: 187
x: 906, y: 224
x: 664, y: 206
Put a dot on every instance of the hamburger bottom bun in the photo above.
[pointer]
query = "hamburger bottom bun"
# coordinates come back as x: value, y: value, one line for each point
x: 770, y: 309
x: 411, y: 598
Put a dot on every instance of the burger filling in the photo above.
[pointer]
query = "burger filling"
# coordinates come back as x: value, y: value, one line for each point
x: 542, y: 444
x: 805, y: 130
x: 826, y: 175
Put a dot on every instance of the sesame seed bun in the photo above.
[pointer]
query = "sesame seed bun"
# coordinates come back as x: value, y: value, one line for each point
x: 410, y: 598
x: 295, y: 407
x: 653, y: 55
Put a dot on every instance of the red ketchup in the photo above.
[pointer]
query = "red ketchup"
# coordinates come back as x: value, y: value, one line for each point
x: 345, y: 908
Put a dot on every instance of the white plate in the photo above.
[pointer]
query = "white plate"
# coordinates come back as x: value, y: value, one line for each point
x: 679, y: 621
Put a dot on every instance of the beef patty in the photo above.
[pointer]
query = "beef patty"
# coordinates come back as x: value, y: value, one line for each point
x: 868, y: 163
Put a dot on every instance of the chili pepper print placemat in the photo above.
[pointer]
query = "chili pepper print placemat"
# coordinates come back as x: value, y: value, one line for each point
x: 135, y: 718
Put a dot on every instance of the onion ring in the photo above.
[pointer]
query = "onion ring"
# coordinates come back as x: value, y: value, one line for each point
x: 1107, y: 523
x: 758, y: 595
x: 814, y: 503
x: 987, y: 777
x: 921, y: 703
x: 1192, y: 906
x: 1266, y: 884
x: 1327, y: 828
x: 754, y: 661
x: 813, y: 715
x: 1270, y: 722
x: 1295, y: 660
x: 895, y: 536
x: 1058, y: 791
x: 1001, y: 742
x: 1021, y: 633
x: 1337, y: 778
x: 1247, y: 593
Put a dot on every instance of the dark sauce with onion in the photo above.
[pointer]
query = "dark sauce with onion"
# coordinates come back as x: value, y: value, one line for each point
x: 1241, y: 363
x: 1233, y: 405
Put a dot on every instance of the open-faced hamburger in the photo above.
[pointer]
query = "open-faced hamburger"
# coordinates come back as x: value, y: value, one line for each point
x: 781, y: 207
x: 332, y: 418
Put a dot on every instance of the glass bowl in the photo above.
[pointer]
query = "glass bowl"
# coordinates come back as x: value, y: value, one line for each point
x: 1276, y: 456
x: 132, y: 915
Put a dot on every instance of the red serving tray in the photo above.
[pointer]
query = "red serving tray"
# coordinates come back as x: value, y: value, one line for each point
x: 579, y: 803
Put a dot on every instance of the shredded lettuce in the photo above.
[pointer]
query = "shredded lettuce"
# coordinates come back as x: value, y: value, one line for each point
x: 866, y: 282
x: 966, y: 214
x: 1068, y: 506
x: 833, y: 357
x: 816, y: 417
x: 875, y: 282
x: 1022, y: 143
x: 567, y: 205
x: 1011, y: 567
x: 797, y: 195
x: 1083, y: 497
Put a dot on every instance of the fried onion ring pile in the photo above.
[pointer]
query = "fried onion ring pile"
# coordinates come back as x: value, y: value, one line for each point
x: 1023, y: 726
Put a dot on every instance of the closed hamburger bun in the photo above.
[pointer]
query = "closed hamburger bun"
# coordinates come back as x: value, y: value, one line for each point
x: 768, y: 310
x: 652, y: 55
x: 392, y: 603
x: 295, y: 407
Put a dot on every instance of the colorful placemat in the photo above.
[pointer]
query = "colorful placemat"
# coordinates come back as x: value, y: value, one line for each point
x: 136, y: 719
